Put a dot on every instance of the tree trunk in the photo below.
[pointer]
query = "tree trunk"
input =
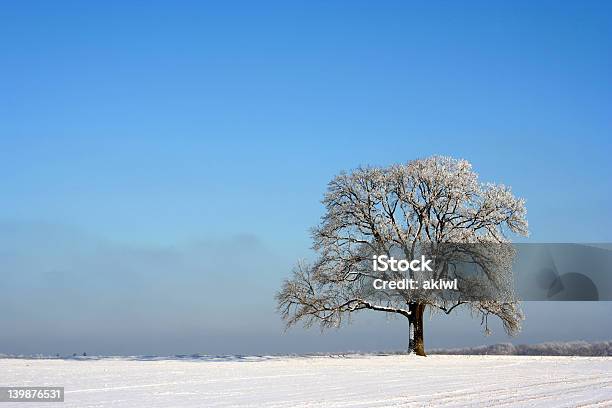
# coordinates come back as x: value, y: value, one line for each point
x: 416, y: 342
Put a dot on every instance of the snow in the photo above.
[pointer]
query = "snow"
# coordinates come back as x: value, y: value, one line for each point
x: 353, y: 381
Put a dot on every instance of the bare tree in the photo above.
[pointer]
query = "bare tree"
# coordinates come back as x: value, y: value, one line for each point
x: 369, y: 211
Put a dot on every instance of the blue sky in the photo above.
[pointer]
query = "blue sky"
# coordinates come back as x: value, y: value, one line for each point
x: 169, y: 126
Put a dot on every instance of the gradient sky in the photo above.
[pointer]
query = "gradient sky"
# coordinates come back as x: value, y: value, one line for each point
x: 157, y: 155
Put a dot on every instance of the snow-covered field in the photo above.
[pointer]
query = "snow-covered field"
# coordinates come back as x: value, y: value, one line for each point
x: 354, y: 381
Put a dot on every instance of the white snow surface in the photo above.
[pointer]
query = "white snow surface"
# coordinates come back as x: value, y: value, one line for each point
x: 341, y: 381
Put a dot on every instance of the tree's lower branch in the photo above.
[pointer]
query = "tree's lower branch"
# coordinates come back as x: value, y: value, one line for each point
x: 449, y: 310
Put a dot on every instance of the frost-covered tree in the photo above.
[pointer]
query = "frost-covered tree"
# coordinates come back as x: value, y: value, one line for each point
x: 426, y: 202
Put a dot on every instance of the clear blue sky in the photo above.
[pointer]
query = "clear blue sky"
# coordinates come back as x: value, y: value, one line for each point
x: 176, y: 129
